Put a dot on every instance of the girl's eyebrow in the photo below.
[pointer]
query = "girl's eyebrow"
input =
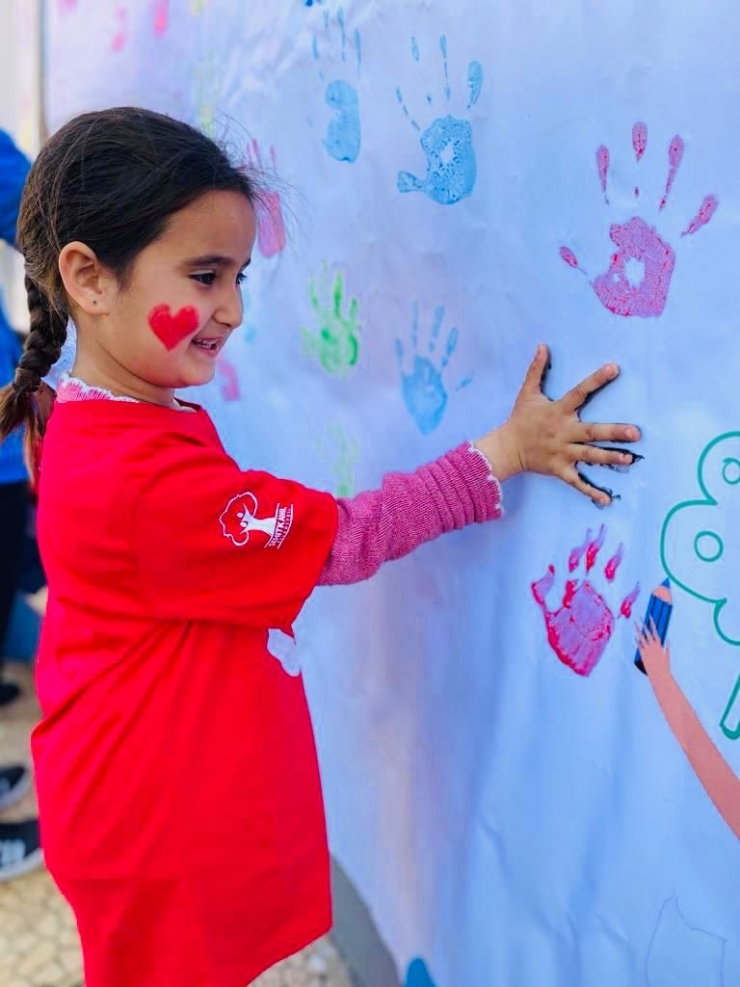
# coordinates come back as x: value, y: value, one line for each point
x: 214, y: 260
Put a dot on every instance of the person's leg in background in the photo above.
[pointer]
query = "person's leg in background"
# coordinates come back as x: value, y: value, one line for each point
x: 14, y: 504
x: 20, y: 845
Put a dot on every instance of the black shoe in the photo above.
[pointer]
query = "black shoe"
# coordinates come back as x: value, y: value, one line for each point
x: 15, y: 781
x: 20, y: 848
x: 9, y: 692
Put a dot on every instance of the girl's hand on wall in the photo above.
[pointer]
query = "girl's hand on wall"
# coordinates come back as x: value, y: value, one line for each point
x: 548, y: 437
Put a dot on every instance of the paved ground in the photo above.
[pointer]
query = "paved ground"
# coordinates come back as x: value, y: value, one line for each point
x: 38, y: 941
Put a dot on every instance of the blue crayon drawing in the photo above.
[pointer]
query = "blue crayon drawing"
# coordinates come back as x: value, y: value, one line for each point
x: 424, y: 391
x: 447, y: 142
x: 343, y: 138
x: 418, y: 975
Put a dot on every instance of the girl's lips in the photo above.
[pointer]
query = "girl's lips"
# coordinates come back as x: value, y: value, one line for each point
x: 209, y: 345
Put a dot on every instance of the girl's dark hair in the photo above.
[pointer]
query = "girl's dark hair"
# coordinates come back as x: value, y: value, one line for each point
x: 110, y: 179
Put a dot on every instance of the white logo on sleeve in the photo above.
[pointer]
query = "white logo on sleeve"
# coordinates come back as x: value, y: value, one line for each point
x: 241, y: 524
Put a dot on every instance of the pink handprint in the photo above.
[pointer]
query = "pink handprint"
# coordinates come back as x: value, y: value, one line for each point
x: 579, y: 631
x: 641, y: 252
x: 229, y: 379
x: 270, y: 224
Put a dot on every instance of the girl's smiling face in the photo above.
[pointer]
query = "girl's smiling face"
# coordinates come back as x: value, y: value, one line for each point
x: 164, y: 326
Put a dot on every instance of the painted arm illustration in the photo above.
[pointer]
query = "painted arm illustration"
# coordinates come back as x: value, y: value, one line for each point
x: 719, y: 780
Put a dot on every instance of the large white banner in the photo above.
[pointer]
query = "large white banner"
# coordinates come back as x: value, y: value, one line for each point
x: 515, y: 799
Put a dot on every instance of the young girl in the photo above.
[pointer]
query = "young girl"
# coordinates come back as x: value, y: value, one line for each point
x: 179, y: 791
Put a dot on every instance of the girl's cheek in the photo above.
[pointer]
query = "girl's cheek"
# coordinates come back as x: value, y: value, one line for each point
x: 171, y: 328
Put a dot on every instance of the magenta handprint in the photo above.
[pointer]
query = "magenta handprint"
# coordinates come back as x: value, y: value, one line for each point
x: 638, y: 278
x: 580, y: 629
x: 270, y: 223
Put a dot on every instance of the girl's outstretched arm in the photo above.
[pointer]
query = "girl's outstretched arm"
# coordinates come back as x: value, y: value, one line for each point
x: 409, y: 509
x: 463, y: 487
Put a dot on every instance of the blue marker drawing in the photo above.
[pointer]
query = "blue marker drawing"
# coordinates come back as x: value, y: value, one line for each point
x: 343, y: 133
x: 423, y: 389
x: 447, y: 142
x: 417, y: 975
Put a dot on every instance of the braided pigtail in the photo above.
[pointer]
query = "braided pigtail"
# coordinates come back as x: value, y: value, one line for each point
x: 27, y: 401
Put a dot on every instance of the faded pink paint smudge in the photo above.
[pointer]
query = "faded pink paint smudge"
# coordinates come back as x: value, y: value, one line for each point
x: 230, y: 390
x: 65, y: 6
x: 270, y: 223
x: 161, y: 16
x: 581, y: 628
x: 121, y: 36
x: 639, y: 244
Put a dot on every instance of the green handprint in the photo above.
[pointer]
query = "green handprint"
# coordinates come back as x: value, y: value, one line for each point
x: 344, y: 467
x: 336, y: 343
x: 340, y: 454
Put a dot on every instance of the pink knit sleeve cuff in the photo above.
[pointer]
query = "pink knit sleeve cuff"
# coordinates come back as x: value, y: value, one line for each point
x: 409, y: 509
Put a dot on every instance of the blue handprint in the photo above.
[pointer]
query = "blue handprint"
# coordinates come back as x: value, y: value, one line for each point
x: 418, y: 975
x: 423, y: 389
x: 343, y: 133
x: 447, y: 143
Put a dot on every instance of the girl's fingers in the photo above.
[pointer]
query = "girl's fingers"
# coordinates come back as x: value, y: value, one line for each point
x: 595, y: 455
x: 581, y: 484
x: 536, y: 371
x: 580, y: 394
x: 599, y: 432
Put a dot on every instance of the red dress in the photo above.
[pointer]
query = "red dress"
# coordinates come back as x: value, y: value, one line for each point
x: 179, y: 793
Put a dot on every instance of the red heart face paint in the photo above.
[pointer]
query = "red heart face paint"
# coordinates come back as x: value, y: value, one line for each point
x: 172, y: 329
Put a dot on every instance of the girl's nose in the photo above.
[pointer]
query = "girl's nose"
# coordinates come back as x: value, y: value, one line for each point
x: 231, y: 311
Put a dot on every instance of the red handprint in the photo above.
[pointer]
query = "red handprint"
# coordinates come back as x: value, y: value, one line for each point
x: 270, y: 224
x: 639, y: 273
x: 579, y: 631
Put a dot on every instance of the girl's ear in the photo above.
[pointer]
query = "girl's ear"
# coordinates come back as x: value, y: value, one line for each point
x: 90, y: 285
